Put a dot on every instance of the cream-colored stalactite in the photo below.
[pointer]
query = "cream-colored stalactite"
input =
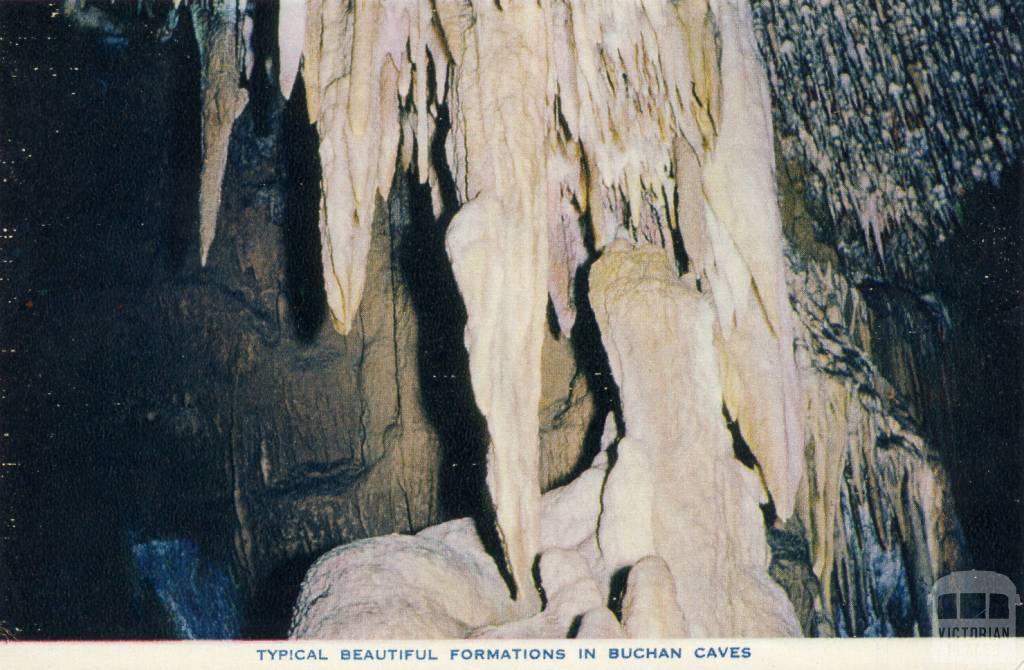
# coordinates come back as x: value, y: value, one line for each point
x: 737, y: 245
x: 702, y: 503
x: 222, y: 61
x: 497, y: 244
x: 623, y: 97
x: 359, y: 59
x: 624, y: 75
x: 291, y: 40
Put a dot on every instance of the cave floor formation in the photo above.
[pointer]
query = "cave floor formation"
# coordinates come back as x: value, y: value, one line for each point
x: 506, y: 320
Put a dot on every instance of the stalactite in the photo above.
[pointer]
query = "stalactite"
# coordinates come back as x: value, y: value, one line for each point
x: 222, y: 55
x: 870, y: 473
x: 355, y: 65
x: 291, y: 40
x: 497, y: 243
x: 744, y: 263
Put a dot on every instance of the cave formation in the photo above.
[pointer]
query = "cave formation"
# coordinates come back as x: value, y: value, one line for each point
x: 514, y: 320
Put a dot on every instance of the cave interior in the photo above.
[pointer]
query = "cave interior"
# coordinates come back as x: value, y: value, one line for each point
x: 174, y: 432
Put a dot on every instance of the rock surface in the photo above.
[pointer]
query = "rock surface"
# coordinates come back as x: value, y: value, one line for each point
x: 438, y: 584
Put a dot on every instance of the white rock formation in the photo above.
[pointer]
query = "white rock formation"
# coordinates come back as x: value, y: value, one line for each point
x: 599, y: 624
x: 745, y: 266
x: 571, y: 591
x: 497, y: 244
x: 650, y: 609
x: 441, y: 583
x: 355, y: 66
x: 626, y: 527
x: 438, y: 584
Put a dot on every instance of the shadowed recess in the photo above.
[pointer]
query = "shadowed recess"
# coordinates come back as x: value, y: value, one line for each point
x: 304, y: 282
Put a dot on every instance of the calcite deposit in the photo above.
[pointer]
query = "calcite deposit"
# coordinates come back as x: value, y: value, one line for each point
x: 604, y: 179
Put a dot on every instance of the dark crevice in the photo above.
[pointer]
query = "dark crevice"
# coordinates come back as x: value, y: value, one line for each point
x: 303, y: 266
x: 540, y: 583
x: 552, y: 319
x: 184, y: 147
x: 740, y: 448
x: 678, y: 247
x: 443, y: 362
x: 617, y: 591
x: 574, y: 627
x: 592, y: 361
x: 265, y: 99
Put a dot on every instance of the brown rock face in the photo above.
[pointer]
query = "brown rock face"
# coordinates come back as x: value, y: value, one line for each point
x: 324, y: 438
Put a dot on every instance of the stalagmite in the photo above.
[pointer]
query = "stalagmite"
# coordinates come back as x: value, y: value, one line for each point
x: 626, y: 527
x: 703, y: 506
x: 222, y: 52
x: 650, y: 609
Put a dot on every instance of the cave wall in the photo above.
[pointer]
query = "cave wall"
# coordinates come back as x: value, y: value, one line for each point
x: 893, y: 113
x: 327, y: 438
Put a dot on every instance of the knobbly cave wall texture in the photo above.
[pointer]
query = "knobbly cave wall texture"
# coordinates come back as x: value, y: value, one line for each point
x: 633, y: 319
